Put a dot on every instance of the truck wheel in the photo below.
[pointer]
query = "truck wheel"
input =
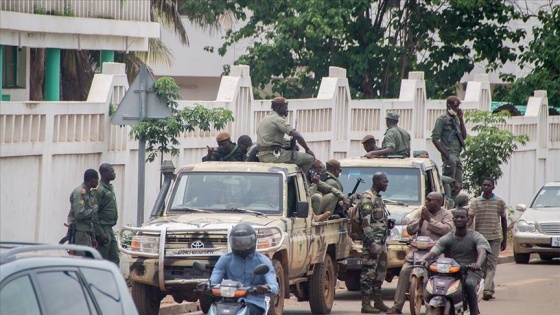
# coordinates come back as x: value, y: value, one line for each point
x: 434, y: 311
x: 322, y: 286
x: 353, y: 281
x: 277, y: 302
x: 521, y: 258
x: 206, y: 302
x: 146, y: 298
x: 415, y: 295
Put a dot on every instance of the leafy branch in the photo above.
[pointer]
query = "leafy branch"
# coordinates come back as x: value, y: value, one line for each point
x: 161, y: 135
x: 488, y: 149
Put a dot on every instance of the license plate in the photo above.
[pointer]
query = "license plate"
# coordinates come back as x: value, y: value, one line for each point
x: 555, y: 241
x: 193, y: 251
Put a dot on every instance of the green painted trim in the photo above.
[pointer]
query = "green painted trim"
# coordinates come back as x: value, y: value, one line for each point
x: 107, y: 56
x: 1, y: 69
x: 52, y: 75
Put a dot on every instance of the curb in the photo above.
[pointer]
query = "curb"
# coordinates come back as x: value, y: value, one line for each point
x: 505, y: 259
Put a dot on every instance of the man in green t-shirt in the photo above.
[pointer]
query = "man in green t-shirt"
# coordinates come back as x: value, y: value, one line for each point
x: 466, y: 247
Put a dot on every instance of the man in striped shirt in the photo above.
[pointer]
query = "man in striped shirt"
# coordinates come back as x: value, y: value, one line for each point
x: 489, y: 214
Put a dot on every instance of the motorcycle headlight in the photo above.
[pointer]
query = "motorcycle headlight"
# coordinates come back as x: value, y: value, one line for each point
x: 145, y: 244
x: 228, y: 291
x: 524, y: 226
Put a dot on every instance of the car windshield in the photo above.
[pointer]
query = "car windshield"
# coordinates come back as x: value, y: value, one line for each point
x: 548, y: 197
x: 258, y: 193
x: 404, y: 183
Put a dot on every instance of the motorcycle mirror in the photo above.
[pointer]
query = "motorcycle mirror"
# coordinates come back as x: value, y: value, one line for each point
x: 199, y: 267
x: 261, y: 269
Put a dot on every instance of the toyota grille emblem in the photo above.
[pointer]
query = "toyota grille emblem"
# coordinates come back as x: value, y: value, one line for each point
x: 197, y: 244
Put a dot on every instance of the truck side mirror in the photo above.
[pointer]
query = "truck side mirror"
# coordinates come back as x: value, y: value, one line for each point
x: 302, y: 209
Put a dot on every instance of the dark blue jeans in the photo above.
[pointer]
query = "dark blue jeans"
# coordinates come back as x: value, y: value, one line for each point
x: 254, y: 310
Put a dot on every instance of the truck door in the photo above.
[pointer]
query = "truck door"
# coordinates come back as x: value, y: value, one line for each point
x: 300, y: 228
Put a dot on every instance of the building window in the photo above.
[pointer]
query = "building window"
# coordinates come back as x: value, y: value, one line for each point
x: 9, y: 65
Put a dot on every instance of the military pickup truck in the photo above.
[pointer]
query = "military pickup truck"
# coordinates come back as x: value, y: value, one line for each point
x: 191, y: 221
x: 410, y: 180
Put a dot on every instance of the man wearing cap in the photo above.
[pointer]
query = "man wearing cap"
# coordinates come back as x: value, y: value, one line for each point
x: 331, y: 177
x: 448, y: 136
x: 270, y: 138
x: 369, y: 143
x: 226, y: 150
x: 396, y: 140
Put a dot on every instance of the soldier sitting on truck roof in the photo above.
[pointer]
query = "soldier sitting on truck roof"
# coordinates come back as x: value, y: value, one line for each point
x: 396, y: 140
x: 368, y: 142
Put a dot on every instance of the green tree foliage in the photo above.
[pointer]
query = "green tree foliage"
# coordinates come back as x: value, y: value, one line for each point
x: 161, y: 135
x: 488, y: 149
x: 377, y: 41
x: 543, y: 55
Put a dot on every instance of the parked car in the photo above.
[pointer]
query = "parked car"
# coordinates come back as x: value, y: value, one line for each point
x: 45, y: 279
x: 538, y: 228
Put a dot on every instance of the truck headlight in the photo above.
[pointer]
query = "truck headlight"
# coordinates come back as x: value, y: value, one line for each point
x: 145, y: 244
x: 524, y: 226
x: 396, y: 232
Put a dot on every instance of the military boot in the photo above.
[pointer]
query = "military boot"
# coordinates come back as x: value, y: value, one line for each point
x: 366, y: 306
x: 378, y: 301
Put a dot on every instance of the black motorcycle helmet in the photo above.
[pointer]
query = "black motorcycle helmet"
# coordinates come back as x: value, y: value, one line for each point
x: 243, y: 239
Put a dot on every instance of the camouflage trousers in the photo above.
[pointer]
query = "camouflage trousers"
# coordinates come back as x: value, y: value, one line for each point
x: 303, y: 160
x: 373, y: 269
x: 453, y: 167
x: 109, y: 250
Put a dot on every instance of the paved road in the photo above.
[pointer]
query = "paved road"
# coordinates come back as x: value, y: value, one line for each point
x: 521, y: 289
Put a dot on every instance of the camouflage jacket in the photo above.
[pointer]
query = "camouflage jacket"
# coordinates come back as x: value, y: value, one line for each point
x: 373, y: 217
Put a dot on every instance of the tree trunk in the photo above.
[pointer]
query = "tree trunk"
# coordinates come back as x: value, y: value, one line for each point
x: 37, y: 74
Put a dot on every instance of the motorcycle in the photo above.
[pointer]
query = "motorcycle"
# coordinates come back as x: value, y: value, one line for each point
x: 444, y: 292
x: 418, y: 275
x: 230, y: 292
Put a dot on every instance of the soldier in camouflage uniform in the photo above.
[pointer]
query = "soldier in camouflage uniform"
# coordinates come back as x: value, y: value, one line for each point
x: 339, y: 204
x: 83, y: 209
x: 448, y: 137
x: 396, y: 140
x: 270, y: 138
x: 226, y: 151
x: 374, y: 220
x: 107, y: 215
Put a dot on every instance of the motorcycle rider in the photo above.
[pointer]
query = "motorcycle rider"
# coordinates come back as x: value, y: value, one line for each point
x: 432, y: 221
x: 466, y: 247
x: 239, y: 265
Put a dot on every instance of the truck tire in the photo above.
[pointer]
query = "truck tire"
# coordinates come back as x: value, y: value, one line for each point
x: 521, y: 258
x: 353, y: 281
x: 205, y: 302
x: 277, y: 302
x: 322, y: 287
x: 415, y: 295
x: 434, y: 311
x: 146, y: 298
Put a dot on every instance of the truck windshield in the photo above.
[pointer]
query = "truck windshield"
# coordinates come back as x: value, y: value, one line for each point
x: 223, y: 192
x: 404, y: 183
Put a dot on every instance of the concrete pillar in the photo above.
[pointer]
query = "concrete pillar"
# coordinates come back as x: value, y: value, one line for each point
x: 52, y: 75
x: 107, y: 56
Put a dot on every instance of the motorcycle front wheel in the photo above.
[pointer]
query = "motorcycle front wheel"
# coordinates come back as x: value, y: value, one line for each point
x: 434, y: 311
x: 416, y: 291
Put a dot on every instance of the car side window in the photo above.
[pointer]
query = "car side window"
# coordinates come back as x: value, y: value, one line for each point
x: 104, y: 288
x: 63, y: 293
x: 18, y: 297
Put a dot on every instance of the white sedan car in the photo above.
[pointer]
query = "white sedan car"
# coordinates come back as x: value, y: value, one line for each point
x: 538, y: 228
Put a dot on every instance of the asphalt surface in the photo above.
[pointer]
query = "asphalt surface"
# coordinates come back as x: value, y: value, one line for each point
x: 169, y: 307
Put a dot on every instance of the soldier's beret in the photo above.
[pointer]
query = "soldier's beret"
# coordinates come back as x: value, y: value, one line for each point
x: 279, y: 100
x: 392, y: 116
x: 222, y: 136
x: 333, y: 163
x: 453, y: 100
x: 368, y: 138
x: 419, y: 153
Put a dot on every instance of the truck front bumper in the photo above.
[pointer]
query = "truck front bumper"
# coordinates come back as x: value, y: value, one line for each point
x: 395, y: 257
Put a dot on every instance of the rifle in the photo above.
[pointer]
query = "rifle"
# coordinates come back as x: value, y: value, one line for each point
x: 358, y: 182
x: 71, y: 233
x: 459, y: 134
x: 293, y: 142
